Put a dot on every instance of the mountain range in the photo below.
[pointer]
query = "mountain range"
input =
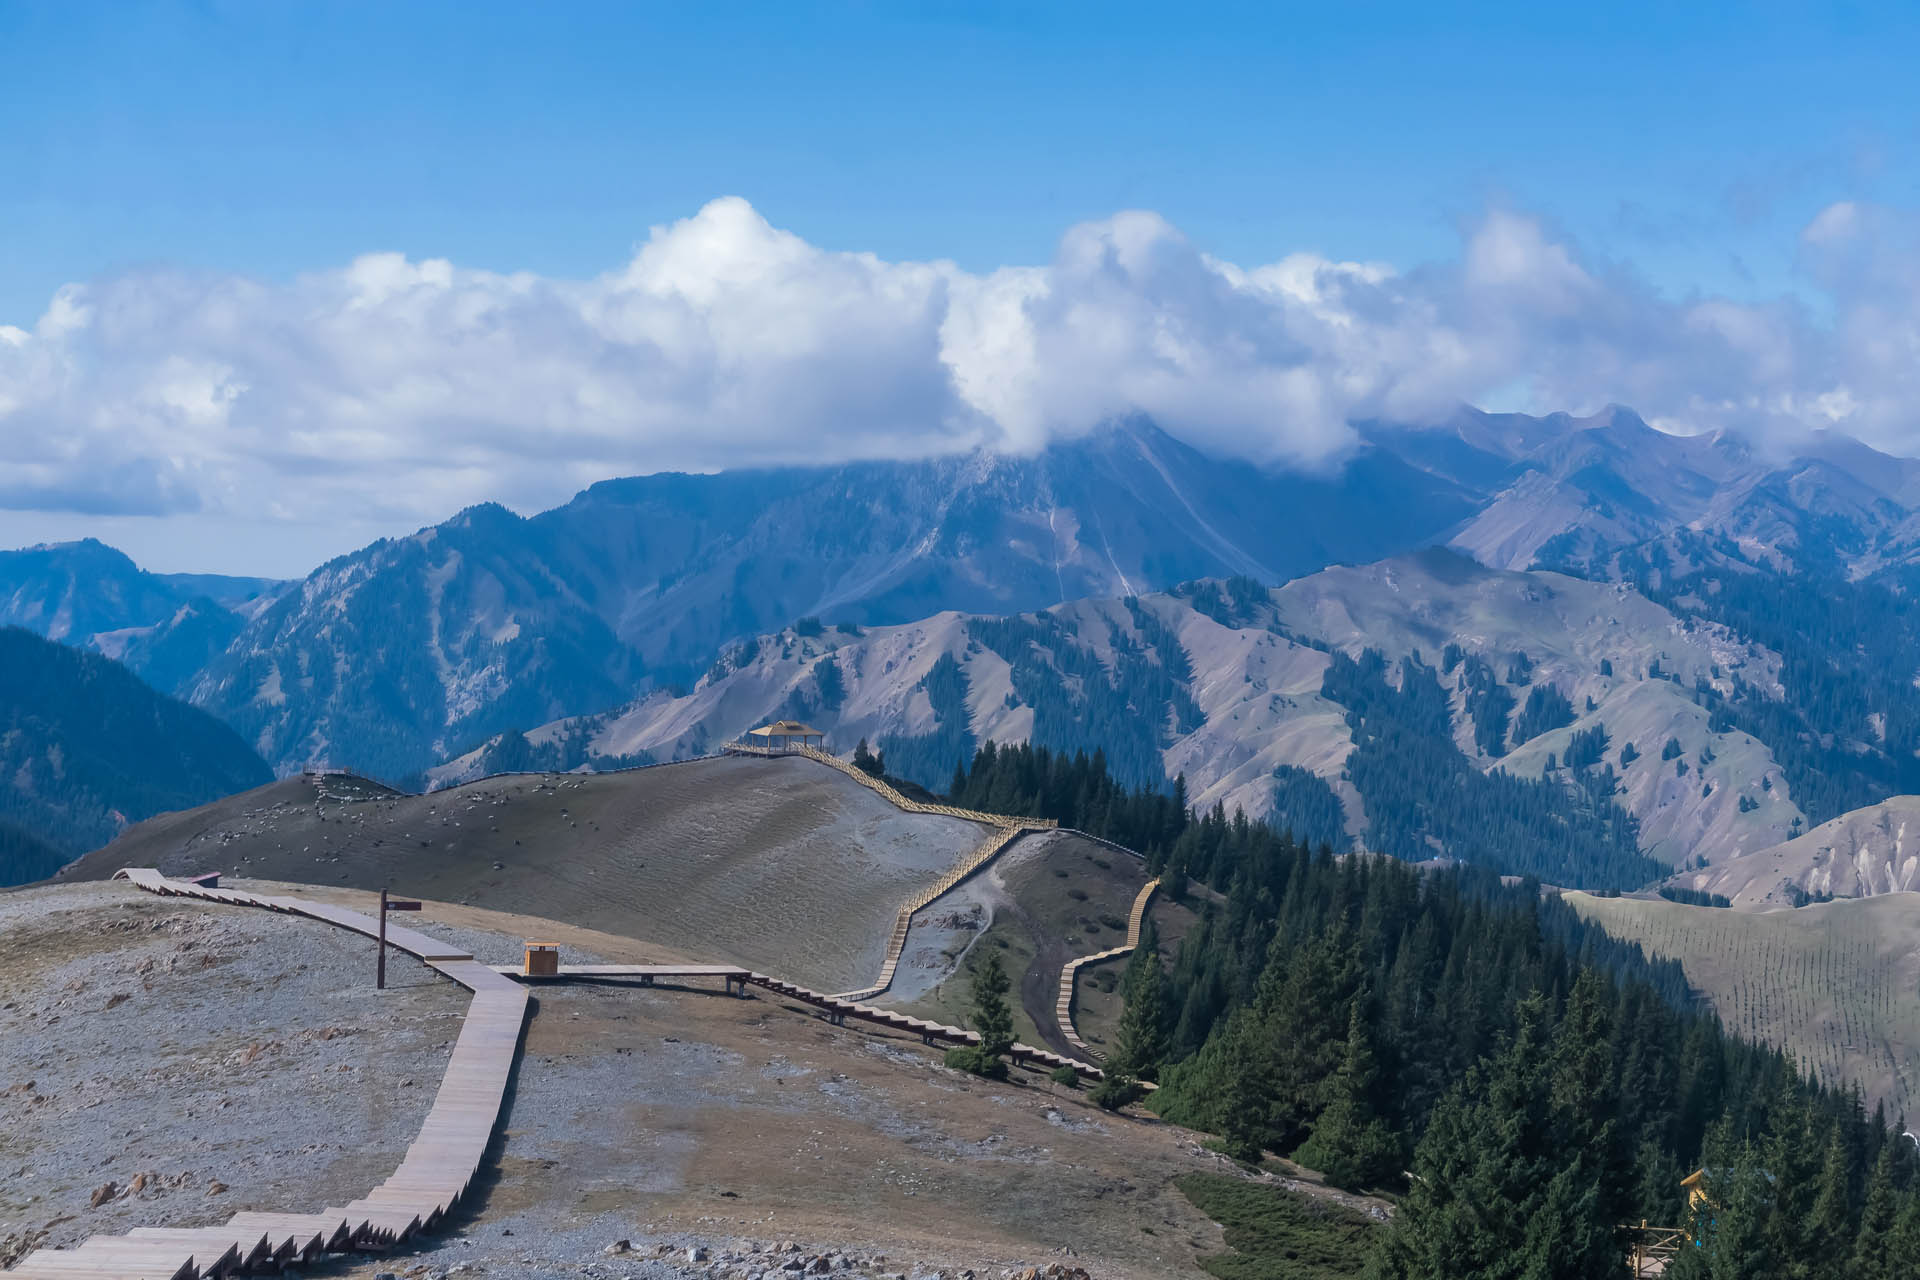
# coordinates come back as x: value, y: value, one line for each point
x: 1665, y: 578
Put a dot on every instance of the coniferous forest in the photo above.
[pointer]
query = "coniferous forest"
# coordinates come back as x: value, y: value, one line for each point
x: 1524, y: 1085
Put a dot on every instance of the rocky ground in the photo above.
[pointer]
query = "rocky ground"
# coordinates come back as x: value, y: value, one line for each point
x: 171, y: 1063
x: 651, y: 1132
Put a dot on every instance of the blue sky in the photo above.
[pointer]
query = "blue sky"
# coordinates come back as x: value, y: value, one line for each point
x: 279, y: 278
x: 1690, y: 140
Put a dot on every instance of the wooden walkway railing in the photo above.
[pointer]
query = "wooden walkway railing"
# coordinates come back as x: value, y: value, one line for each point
x: 1005, y: 831
x: 1063, y: 1008
x: 837, y: 1008
x: 436, y: 1172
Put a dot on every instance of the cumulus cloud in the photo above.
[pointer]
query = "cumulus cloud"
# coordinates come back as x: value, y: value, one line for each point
x: 396, y: 390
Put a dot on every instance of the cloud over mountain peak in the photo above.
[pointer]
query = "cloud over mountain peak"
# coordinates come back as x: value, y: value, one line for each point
x: 395, y: 389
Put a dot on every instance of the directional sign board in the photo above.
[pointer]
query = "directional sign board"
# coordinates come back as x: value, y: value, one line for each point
x: 393, y: 905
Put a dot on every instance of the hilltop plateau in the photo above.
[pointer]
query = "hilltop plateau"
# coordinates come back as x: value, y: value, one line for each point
x: 778, y: 864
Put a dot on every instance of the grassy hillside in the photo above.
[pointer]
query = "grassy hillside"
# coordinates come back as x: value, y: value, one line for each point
x: 779, y: 864
x: 86, y: 748
x: 1837, y: 985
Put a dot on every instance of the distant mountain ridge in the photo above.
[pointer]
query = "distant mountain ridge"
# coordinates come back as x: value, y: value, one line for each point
x: 1572, y: 689
x: 406, y: 652
x: 86, y: 749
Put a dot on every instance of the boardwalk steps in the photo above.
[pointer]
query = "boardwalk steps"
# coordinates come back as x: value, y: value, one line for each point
x: 435, y: 1173
x: 1069, y: 975
x: 1005, y: 831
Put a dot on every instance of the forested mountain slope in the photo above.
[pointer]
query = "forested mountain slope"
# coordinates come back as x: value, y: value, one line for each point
x: 395, y: 656
x: 86, y: 749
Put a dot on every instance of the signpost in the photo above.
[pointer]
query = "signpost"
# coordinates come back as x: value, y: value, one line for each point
x: 397, y: 904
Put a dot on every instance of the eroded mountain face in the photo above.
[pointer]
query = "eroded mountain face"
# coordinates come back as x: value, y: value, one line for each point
x: 656, y: 616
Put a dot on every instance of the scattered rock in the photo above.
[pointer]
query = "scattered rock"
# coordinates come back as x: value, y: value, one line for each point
x: 103, y: 1193
x: 696, y: 1253
x: 619, y: 1246
x: 215, y: 1187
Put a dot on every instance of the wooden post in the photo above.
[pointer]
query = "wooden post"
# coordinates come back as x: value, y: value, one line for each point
x: 380, y: 968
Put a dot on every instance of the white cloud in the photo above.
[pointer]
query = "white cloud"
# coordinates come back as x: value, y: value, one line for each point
x: 394, y: 391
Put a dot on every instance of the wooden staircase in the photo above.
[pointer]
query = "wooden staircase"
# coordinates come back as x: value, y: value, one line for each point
x: 1069, y: 974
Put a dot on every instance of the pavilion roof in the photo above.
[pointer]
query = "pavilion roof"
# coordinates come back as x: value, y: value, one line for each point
x: 786, y: 729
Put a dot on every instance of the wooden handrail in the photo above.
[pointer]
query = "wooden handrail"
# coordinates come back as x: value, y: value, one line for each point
x: 1070, y: 972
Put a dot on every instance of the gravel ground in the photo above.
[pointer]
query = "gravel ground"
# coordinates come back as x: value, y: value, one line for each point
x: 236, y: 1059
x: 679, y: 1120
x: 716, y: 1137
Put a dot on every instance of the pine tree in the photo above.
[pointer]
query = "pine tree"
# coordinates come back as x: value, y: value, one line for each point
x: 1243, y: 1091
x: 1829, y: 1231
x: 1903, y: 1250
x: 1351, y: 1144
x: 1872, y: 1254
x: 991, y: 1018
x: 1591, y: 1193
x: 1479, y: 1173
x: 991, y: 1021
x: 1141, y: 1041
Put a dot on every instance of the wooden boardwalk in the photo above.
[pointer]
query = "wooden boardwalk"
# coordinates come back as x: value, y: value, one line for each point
x: 434, y: 1175
x: 440, y: 1166
x: 1063, y: 1007
x: 1004, y: 831
x: 837, y: 1008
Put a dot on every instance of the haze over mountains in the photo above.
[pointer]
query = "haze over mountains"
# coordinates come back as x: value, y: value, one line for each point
x: 617, y: 621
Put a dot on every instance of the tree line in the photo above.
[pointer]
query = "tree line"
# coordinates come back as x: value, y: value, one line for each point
x: 1526, y: 1083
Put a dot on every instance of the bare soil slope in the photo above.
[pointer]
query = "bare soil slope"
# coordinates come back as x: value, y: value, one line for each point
x: 781, y: 865
x: 1860, y: 853
x: 1836, y: 985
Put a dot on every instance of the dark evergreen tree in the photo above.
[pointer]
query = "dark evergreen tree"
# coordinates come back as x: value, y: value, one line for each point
x: 1351, y: 1145
x: 990, y: 1015
x: 1872, y: 1257
x: 1140, y: 1043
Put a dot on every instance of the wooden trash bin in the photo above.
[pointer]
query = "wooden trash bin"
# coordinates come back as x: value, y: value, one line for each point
x: 543, y: 960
